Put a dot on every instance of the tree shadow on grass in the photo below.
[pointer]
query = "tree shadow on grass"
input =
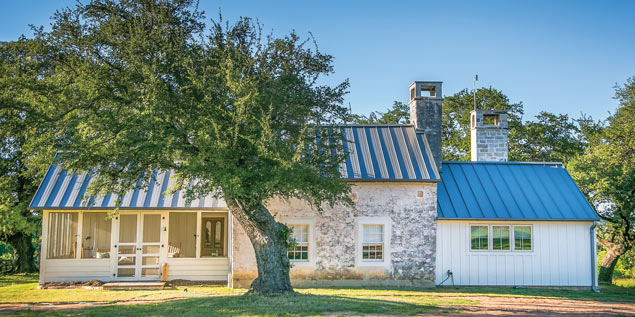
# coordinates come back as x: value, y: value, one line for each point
x: 256, y: 305
x: 11, y: 279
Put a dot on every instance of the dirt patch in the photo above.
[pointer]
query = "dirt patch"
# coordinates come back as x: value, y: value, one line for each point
x: 12, y: 308
x: 543, y: 306
x: 487, y: 306
x: 75, y: 284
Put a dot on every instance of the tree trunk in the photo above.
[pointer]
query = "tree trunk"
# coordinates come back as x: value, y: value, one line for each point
x: 23, y: 253
x: 608, y: 266
x: 269, y: 239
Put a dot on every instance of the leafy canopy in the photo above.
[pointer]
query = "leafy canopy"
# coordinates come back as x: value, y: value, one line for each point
x: 141, y: 85
x: 606, y: 173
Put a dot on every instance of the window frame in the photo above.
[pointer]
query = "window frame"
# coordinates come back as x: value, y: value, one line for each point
x: 386, y: 260
x: 531, y: 237
x: 469, y: 238
x: 490, y: 235
x: 306, y: 243
x: 509, y: 236
x: 310, y: 222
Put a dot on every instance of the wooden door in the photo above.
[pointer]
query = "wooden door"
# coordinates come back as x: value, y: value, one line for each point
x: 213, y: 236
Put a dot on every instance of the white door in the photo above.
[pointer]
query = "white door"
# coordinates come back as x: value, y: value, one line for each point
x: 139, y: 246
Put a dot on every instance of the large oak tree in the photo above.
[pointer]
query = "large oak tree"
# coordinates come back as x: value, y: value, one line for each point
x: 141, y: 85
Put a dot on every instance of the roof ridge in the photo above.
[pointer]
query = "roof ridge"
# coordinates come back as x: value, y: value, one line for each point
x: 503, y: 162
x: 373, y: 125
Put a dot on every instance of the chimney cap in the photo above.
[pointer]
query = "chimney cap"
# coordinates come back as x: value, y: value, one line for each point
x: 421, y: 89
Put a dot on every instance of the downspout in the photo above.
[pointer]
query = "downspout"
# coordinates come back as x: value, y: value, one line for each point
x: 594, y: 265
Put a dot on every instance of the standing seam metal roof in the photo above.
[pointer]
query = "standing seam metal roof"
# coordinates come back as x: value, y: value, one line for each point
x: 377, y: 153
x: 510, y: 190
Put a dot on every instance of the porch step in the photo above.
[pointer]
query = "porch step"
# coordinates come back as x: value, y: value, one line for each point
x: 128, y: 286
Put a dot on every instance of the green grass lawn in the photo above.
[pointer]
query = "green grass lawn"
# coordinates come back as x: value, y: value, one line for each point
x: 311, y: 301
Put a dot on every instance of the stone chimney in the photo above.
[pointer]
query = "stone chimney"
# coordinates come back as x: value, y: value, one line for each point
x: 426, y: 99
x: 489, y: 135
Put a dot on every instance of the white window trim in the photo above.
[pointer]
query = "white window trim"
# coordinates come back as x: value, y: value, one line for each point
x: 531, y: 235
x: 490, y: 238
x: 387, y: 233
x: 310, y: 221
x: 469, y: 237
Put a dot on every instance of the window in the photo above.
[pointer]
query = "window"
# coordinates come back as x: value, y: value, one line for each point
x: 373, y: 243
x: 96, y: 235
x: 62, y: 235
x: 479, y: 238
x: 300, y: 252
x: 182, y: 235
x: 500, y: 238
x: 522, y: 238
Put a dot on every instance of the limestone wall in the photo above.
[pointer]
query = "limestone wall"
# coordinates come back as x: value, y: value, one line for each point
x: 409, y: 211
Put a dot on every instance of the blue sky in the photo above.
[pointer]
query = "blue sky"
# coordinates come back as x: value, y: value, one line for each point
x: 559, y: 56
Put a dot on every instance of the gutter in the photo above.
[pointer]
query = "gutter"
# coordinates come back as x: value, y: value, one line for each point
x: 594, y: 266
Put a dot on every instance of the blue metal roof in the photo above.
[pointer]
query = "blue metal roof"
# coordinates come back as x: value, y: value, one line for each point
x: 510, y: 191
x: 377, y: 153
x: 387, y: 153
x: 63, y: 190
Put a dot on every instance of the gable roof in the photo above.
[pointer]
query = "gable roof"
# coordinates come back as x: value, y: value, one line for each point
x: 376, y: 153
x: 510, y: 191
x: 380, y: 152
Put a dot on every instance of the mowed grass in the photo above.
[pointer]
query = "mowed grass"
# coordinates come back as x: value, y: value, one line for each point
x: 222, y: 301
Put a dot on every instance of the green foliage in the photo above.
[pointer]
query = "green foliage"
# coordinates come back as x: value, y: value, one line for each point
x: 20, y: 173
x: 625, y: 267
x: 550, y: 138
x: 606, y: 174
x: 456, y: 120
x: 125, y: 88
x: 398, y: 114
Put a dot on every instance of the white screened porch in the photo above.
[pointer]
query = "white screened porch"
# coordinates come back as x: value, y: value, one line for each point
x: 80, y: 245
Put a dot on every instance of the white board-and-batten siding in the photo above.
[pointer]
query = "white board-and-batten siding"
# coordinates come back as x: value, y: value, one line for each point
x: 560, y: 256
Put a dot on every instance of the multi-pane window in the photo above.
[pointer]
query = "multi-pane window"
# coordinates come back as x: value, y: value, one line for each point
x: 479, y: 238
x: 62, y: 235
x: 373, y: 243
x: 522, y: 238
x: 500, y: 238
x: 96, y: 235
x: 300, y: 252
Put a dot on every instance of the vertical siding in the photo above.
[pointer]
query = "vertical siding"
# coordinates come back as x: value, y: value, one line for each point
x: 561, y: 256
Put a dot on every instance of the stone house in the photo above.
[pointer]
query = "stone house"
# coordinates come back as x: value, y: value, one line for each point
x: 417, y: 221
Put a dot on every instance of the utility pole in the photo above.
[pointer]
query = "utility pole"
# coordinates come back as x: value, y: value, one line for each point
x: 475, y: 80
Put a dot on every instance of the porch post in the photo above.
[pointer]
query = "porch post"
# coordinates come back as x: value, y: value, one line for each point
x: 44, y: 246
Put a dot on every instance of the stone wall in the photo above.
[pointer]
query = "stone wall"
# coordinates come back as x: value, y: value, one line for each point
x: 408, y: 208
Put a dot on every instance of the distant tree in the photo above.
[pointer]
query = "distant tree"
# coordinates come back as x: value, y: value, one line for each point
x: 550, y: 138
x: 456, y: 120
x: 398, y: 114
x: 606, y: 174
x: 142, y: 85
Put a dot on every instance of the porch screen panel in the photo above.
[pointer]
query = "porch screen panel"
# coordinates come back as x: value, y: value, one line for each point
x: 96, y: 235
x: 182, y: 235
x: 62, y: 235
